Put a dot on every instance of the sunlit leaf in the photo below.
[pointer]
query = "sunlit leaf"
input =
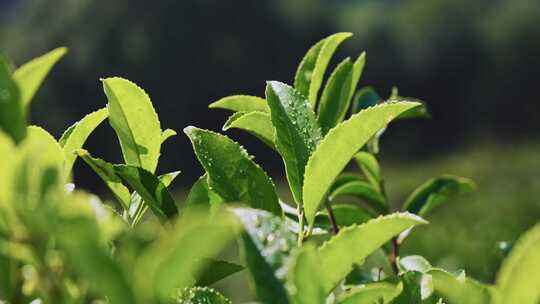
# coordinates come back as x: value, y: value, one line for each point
x: 414, y: 263
x: 231, y: 172
x: 344, y: 178
x: 333, y: 104
x: 339, y: 89
x: 75, y: 136
x: 241, y: 103
x: 459, y: 289
x: 167, y: 134
x: 107, y: 173
x: 310, y: 73
x: 135, y: 122
x: 345, y: 215
x: 256, y: 123
x: 370, y: 167
x: 418, y: 112
x: 354, y: 243
x: 297, y: 131
x: 49, y: 149
x: 30, y: 75
x: 33, y: 169
x: 520, y: 272
x: 304, y: 282
x: 364, y: 191
x: 168, y: 178
x: 338, y: 148
x: 357, y: 70
x: 435, y: 192
x: 369, y: 294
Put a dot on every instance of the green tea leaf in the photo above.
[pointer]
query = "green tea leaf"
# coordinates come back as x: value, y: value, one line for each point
x: 418, y: 112
x: 344, y: 178
x: 354, y: 243
x: 12, y: 113
x: 267, y: 243
x: 168, y: 178
x: 375, y: 267
x: 216, y: 270
x: 201, y: 295
x: 334, y: 103
x: 304, y: 279
x: 357, y: 70
x: 35, y: 169
x: 104, y: 273
x: 365, y: 98
x: 256, y: 123
x: 7, y: 150
x: 519, y: 275
x: 297, y: 131
x: 435, y: 192
x: 345, y: 215
x: 415, y: 263
x: 412, y: 288
x: 30, y: 75
x: 138, y: 207
x: 337, y: 94
x: 166, y: 134
x: 75, y: 136
x: 231, y: 172
x: 310, y: 73
x: 339, y: 146
x: 369, y: 294
x: 135, y: 122
x: 457, y: 290
x: 304, y: 72
x: 50, y: 151
x: 370, y: 167
x: 201, y: 195
x: 107, y: 173
x: 241, y: 103
x: 364, y: 191
x: 153, y: 192
x: 175, y: 260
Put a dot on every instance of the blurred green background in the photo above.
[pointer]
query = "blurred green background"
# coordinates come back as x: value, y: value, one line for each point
x: 475, y: 63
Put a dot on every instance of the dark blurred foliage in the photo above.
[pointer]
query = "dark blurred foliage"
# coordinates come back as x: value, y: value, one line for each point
x: 473, y: 62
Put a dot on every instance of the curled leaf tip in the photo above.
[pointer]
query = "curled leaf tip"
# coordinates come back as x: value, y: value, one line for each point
x: 81, y: 152
x: 189, y: 130
x: 419, y: 219
x: 61, y: 51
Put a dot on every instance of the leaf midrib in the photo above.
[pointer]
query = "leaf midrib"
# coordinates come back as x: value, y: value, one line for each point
x: 129, y: 126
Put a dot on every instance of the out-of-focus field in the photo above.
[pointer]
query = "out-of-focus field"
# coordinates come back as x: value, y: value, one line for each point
x: 464, y: 233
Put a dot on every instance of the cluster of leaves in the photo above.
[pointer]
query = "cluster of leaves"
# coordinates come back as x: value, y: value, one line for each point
x: 338, y: 242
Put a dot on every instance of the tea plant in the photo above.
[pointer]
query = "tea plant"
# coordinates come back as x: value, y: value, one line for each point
x: 338, y: 241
